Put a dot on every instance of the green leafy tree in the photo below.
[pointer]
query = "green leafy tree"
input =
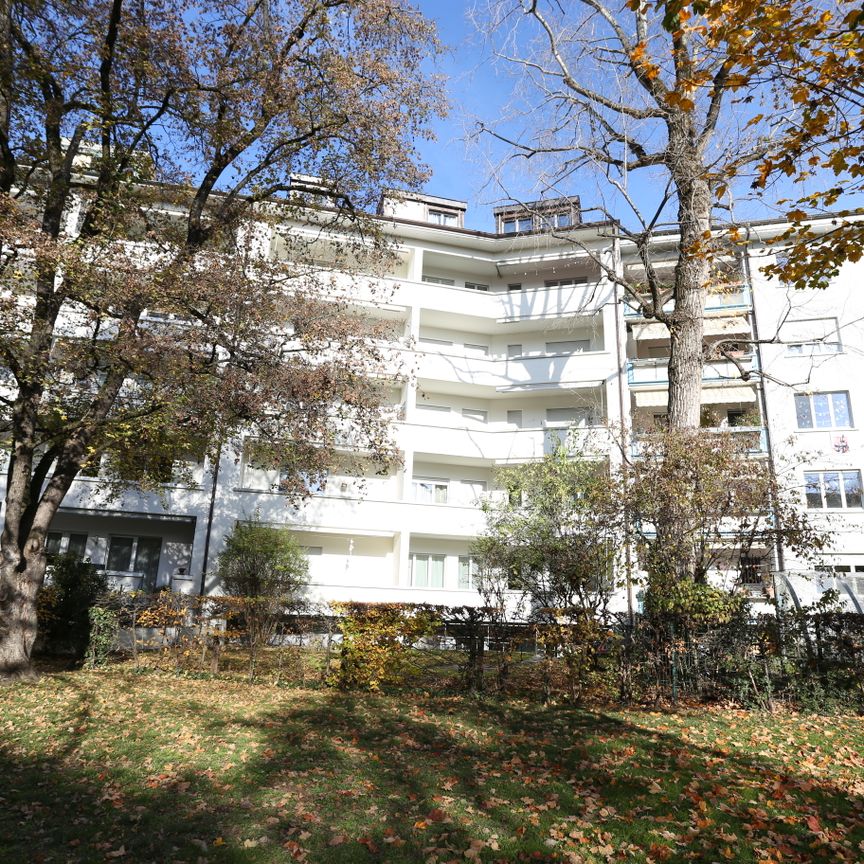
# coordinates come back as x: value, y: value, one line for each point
x: 265, y: 570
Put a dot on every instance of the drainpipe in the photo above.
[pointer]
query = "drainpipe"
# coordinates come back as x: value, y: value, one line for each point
x: 781, y: 562
x: 628, y: 563
x: 213, y: 486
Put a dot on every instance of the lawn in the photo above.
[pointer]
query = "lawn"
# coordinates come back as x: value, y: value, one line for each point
x: 138, y: 767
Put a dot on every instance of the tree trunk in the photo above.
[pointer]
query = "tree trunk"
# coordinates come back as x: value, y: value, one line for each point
x: 18, y: 589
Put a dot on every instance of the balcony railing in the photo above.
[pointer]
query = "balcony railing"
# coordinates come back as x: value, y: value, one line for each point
x: 755, y: 439
x: 655, y: 371
x: 732, y: 296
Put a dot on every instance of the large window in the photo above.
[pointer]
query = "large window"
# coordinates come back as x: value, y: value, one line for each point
x: 823, y: 410
x: 567, y: 282
x: 428, y: 490
x: 476, y: 286
x: 469, y: 573
x: 57, y: 543
x: 139, y: 555
x: 833, y: 490
x: 438, y: 280
x: 427, y: 571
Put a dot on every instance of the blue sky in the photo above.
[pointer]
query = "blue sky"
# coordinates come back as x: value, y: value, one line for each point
x: 478, y: 88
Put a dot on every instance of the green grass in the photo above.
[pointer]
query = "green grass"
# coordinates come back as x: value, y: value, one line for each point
x: 119, y: 766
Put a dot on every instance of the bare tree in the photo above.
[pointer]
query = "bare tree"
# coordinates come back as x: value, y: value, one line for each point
x: 643, y: 89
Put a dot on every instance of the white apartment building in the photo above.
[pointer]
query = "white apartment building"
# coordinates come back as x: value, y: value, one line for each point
x: 512, y: 339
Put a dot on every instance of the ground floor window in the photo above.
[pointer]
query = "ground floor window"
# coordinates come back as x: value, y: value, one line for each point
x: 469, y: 572
x: 427, y: 571
x: 135, y: 555
x: 59, y: 543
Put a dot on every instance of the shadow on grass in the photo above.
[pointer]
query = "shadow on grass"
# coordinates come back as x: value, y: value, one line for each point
x: 333, y: 778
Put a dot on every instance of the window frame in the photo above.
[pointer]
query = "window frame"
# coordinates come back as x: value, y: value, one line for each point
x: 429, y: 557
x: 812, y: 414
x: 839, y: 492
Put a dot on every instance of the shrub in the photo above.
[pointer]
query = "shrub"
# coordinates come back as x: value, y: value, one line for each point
x: 266, y: 568
x: 375, y: 637
x: 65, y: 606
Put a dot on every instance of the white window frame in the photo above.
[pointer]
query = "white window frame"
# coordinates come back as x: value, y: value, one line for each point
x: 476, y: 286
x: 442, y: 216
x: 438, y: 280
x: 823, y: 491
x: 429, y: 557
x: 434, y: 486
x: 473, y: 573
x: 830, y: 394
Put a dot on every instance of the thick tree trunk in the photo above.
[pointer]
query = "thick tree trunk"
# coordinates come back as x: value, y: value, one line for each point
x: 18, y: 588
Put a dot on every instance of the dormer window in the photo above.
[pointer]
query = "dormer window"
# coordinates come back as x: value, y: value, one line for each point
x: 447, y: 218
x: 551, y: 221
x: 516, y: 224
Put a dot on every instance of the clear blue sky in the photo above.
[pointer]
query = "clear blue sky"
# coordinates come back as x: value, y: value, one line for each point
x: 477, y: 88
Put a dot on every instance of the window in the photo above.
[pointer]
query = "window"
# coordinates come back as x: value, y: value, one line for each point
x: 444, y: 217
x: 59, y: 543
x: 429, y: 490
x: 472, y: 348
x: 514, y: 351
x: 811, y: 336
x: 475, y: 414
x: 751, y: 569
x: 476, y: 286
x: 832, y: 490
x: 469, y: 573
x: 427, y: 571
x: 312, y: 551
x: 735, y: 417
x: 568, y: 282
x: 428, y: 340
x: 514, y: 286
x: 823, y: 410
x: 514, y: 418
x: 568, y: 346
x: 556, y: 220
x: 440, y: 409
x: 438, y: 280
x: 516, y: 224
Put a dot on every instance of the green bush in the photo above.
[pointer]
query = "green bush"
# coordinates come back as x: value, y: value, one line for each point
x: 72, y: 590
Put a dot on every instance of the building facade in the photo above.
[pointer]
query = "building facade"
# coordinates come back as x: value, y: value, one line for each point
x: 509, y: 342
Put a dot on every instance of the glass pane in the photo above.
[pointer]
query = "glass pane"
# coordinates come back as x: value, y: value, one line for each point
x: 803, y: 412
x: 813, y: 490
x: 440, y: 493
x: 514, y: 350
x: 831, y: 482
x: 563, y: 220
x: 852, y: 488
x: 525, y: 224
x: 464, y: 572
x: 77, y: 545
x: 436, y: 571
x: 509, y: 226
x: 821, y: 410
x: 52, y: 542
x: 420, y: 571
x: 514, y: 418
x: 120, y: 554
x: 842, y: 415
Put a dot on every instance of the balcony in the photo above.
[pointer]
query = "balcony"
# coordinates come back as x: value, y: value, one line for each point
x: 754, y: 439
x: 655, y: 371
x: 730, y: 297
